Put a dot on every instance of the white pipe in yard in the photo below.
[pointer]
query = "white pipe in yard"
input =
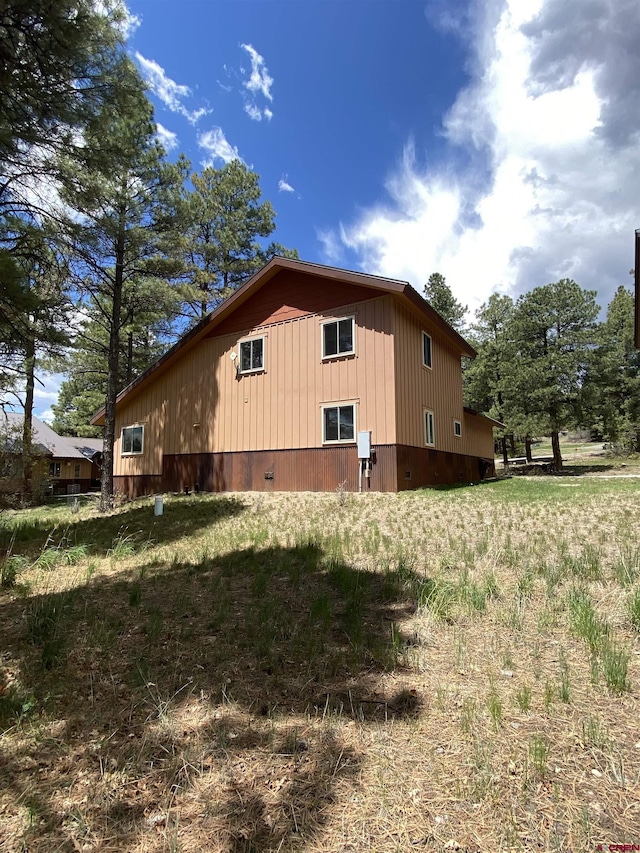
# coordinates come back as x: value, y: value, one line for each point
x: 159, y: 505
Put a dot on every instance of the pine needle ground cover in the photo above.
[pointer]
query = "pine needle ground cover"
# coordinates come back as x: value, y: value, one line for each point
x: 440, y: 670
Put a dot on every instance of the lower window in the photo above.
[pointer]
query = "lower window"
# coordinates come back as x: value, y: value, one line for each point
x: 457, y: 428
x: 338, y: 423
x: 429, y: 428
x: 132, y: 439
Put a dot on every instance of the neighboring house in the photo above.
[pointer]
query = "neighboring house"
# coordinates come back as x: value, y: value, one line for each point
x: 61, y: 460
x: 270, y: 391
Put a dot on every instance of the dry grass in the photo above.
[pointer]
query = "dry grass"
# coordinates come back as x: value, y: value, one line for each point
x: 323, y: 673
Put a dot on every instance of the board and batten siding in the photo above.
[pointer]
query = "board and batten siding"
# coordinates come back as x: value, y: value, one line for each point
x: 200, y: 405
x: 438, y: 389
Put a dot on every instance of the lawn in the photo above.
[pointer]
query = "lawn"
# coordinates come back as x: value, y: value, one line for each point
x: 450, y: 669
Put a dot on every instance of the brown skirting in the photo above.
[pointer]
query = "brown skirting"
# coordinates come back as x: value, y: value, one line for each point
x: 423, y: 466
x: 322, y: 469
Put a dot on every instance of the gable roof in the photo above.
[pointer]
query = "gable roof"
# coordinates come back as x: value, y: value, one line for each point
x: 401, y: 290
x: 48, y: 441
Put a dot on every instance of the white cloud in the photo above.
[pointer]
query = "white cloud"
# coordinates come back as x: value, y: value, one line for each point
x: 167, y: 90
x: 259, y: 83
x: 215, y: 143
x: 167, y: 138
x: 285, y: 186
x: 555, y: 162
x: 260, y: 80
x: 253, y: 111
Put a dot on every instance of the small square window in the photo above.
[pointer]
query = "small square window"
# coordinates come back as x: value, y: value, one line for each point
x: 252, y: 356
x: 457, y: 429
x: 429, y: 429
x: 338, y: 338
x: 132, y: 440
x: 427, y: 350
x: 338, y: 423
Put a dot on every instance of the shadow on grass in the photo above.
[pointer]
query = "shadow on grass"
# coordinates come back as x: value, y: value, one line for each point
x: 136, y: 521
x: 452, y: 487
x: 578, y: 469
x: 208, y: 694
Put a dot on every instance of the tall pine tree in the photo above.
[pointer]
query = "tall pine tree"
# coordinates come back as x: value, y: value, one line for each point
x: 125, y: 198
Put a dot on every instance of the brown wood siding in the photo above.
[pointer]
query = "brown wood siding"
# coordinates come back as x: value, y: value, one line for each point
x: 427, y: 467
x: 291, y: 294
x: 309, y: 469
x: 477, y: 433
x: 202, y: 406
x: 438, y: 389
x: 318, y: 469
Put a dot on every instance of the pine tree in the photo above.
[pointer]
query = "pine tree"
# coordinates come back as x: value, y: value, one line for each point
x: 440, y: 296
x: 125, y: 198
x: 552, y: 333
x: 225, y: 217
x: 615, y: 377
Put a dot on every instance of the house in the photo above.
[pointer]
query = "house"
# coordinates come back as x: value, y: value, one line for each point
x: 272, y: 390
x: 60, y: 462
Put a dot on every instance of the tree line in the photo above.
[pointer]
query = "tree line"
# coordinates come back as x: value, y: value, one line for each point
x: 546, y: 364
x: 108, y: 251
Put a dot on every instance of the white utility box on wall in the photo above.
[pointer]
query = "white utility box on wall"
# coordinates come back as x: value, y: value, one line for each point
x: 364, y: 444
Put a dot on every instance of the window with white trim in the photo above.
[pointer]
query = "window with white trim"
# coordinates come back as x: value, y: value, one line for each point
x: 429, y: 428
x: 54, y: 469
x: 251, y: 356
x: 457, y: 429
x: 338, y: 423
x: 132, y: 440
x: 427, y: 350
x: 338, y: 337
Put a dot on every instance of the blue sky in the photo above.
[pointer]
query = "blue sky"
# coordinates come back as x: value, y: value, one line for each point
x: 339, y: 88
x: 494, y: 141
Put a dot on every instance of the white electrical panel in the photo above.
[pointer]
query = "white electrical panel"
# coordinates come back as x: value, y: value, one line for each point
x: 364, y: 444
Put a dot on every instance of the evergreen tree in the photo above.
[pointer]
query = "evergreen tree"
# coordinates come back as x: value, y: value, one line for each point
x: 440, y: 296
x: 225, y: 217
x: 615, y: 378
x: 53, y: 60
x: 552, y: 333
x: 125, y: 198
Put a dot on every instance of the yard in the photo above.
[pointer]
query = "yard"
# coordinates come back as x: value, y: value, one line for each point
x: 452, y: 669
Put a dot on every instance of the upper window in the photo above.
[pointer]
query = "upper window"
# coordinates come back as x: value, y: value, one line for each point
x: 132, y: 439
x: 429, y: 428
x: 339, y: 423
x: 76, y: 470
x: 427, y: 349
x: 54, y: 469
x: 457, y: 429
x: 338, y: 337
x: 252, y: 355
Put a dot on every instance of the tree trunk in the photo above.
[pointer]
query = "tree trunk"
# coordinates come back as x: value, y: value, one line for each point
x: 557, y: 456
x: 527, y: 448
x: 512, y: 442
x: 129, y: 377
x: 505, y: 452
x: 27, y: 429
x: 106, y: 479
